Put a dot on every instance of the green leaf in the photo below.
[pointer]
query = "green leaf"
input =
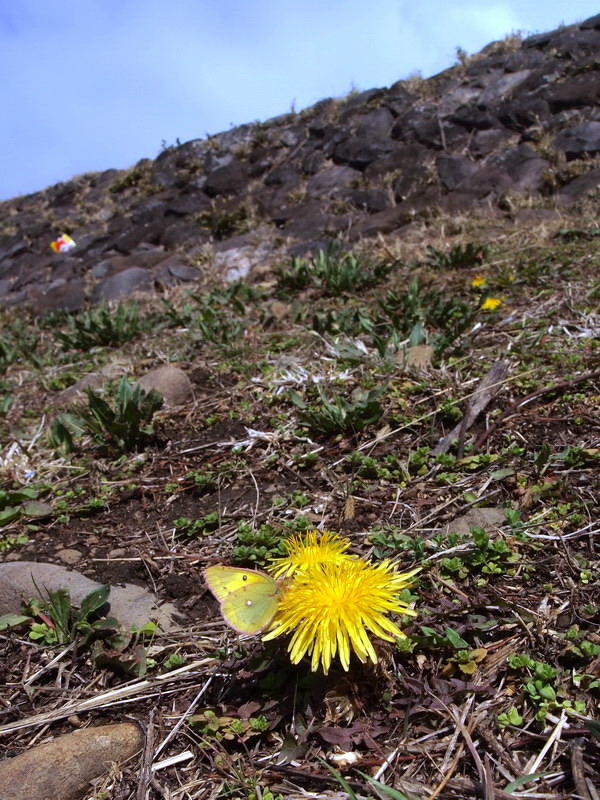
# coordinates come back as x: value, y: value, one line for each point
x: 343, y: 783
x: 395, y: 794
x: 593, y: 726
x: 430, y: 633
x: 511, y: 717
x: 547, y: 692
x: 499, y: 474
x: 60, y: 436
x: 10, y: 515
x: 36, y: 508
x: 297, y: 399
x: 480, y: 537
x: 324, y: 399
x: 456, y: 640
x: 100, y: 409
x: 59, y: 607
x: 93, y: 601
x: 12, y: 620
x: 22, y: 495
x: 417, y: 335
x: 523, y: 780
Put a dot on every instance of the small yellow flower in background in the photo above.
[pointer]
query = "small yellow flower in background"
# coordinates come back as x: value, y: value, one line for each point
x: 308, y: 550
x: 478, y: 281
x: 491, y: 304
x: 331, y: 606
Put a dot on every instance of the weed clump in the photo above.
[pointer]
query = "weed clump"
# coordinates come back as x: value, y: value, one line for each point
x: 120, y: 429
x: 342, y: 415
x: 334, y: 271
x: 101, y: 326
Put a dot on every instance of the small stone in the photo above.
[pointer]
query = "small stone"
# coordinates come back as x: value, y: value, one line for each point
x: 226, y: 180
x: 67, y: 296
x: 279, y: 310
x: 331, y: 181
x: 118, y: 552
x: 68, y: 555
x: 487, y: 518
x: 580, y: 186
x: 579, y: 141
x: 102, y: 269
x: 417, y: 357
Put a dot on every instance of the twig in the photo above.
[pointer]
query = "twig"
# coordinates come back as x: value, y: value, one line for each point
x: 449, y: 771
x: 145, y: 771
x: 169, y: 762
x: 577, y: 770
x: 47, y: 667
x: 485, y: 392
x: 555, y: 387
x: 466, y: 787
x: 294, y: 772
x: 110, y: 698
x: 534, y: 765
x: 183, y: 718
x: 473, y: 750
x: 489, y: 792
x: 440, y: 787
x: 442, y: 135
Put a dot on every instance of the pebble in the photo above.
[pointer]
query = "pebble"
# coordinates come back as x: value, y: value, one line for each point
x: 68, y: 555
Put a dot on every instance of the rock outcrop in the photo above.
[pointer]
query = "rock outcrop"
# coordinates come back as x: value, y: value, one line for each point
x: 516, y: 125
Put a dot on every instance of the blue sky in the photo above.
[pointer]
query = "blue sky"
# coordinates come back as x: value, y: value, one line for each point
x: 94, y: 84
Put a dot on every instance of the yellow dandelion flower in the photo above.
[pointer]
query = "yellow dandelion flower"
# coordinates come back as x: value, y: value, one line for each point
x: 306, y: 550
x: 330, y: 607
x: 491, y: 304
x: 478, y: 281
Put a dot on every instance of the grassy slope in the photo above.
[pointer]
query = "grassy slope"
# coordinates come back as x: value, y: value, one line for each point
x: 510, y: 640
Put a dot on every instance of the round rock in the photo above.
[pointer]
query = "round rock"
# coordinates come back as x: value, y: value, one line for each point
x: 68, y: 555
x: 170, y: 382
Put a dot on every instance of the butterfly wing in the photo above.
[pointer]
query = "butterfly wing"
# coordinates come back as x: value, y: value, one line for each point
x: 251, y: 608
x: 222, y: 581
x: 249, y: 599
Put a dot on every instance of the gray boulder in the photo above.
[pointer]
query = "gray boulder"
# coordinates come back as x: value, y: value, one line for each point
x: 123, y: 284
x: 129, y: 603
x: 580, y: 140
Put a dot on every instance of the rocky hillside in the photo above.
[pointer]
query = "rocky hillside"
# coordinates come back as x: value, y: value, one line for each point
x: 514, y: 130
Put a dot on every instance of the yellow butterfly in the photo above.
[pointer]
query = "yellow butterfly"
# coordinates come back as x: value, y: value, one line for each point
x: 248, y: 599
